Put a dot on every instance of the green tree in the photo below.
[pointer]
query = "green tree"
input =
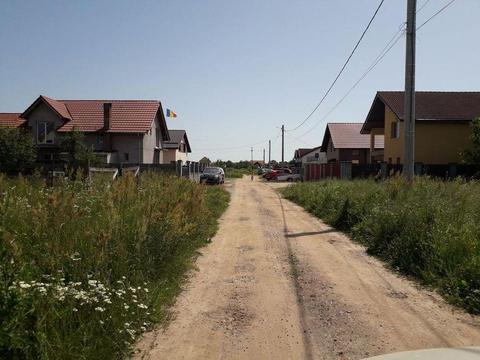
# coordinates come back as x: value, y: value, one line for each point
x: 17, y: 151
x: 79, y: 155
x: 472, y: 156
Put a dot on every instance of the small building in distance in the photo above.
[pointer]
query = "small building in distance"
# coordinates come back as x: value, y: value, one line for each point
x: 177, y: 148
x: 205, y: 161
x: 344, y: 142
x: 309, y: 155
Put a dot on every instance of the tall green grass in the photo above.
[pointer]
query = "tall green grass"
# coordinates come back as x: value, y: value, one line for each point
x: 86, y: 268
x: 429, y: 230
x: 231, y: 173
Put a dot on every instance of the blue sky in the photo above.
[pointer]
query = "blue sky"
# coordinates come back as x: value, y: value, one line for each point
x: 234, y: 71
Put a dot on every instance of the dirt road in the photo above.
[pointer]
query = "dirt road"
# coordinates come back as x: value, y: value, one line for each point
x: 276, y: 283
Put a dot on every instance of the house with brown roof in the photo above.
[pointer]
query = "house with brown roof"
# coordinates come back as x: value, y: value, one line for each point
x: 10, y: 120
x: 305, y: 155
x: 257, y: 163
x: 177, y: 148
x: 442, y: 125
x: 205, y: 161
x: 344, y: 142
x: 128, y: 131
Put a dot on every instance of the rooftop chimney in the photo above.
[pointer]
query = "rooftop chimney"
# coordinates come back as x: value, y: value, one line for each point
x: 107, y: 109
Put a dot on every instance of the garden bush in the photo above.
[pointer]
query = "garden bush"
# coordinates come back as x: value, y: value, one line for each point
x: 86, y: 268
x: 18, y: 151
x: 429, y: 230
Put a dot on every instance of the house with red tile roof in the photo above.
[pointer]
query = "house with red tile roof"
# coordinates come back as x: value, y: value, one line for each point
x: 177, y: 148
x: 344, y: 142
x: 10, y: 120
x: 442, y: 125
x: 119, y: 131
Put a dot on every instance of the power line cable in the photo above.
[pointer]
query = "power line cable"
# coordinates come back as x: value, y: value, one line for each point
x: 379, y: 58
x: 394, y: 40
x: 382, y: 54
x: 341, y: 70
x: 299, y: 140
x: 421, y: 7
x: 434, y: 15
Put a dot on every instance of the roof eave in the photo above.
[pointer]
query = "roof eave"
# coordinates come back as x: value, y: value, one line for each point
x: 367, y: 127
x: 163, y: 123
x: 35, y: 104
x: 314, y: 149
x: 326, y: 136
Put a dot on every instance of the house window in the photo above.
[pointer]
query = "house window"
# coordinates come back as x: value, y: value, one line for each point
x: 395, y: 130
x: 126, y: 157
x: 390, y: 160
x: 45, y: 132
x: 398, y: 161
x: 99, y: 142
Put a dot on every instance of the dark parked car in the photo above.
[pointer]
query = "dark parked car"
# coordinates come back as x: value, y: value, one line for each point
x: 213, y: 175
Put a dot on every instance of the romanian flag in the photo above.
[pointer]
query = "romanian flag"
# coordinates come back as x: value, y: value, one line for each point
x: 171, y: 114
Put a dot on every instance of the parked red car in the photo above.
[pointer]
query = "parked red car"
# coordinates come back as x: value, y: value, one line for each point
x: 274, y: 173
x: 271, y: 175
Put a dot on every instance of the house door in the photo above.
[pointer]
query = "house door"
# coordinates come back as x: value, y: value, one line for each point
x: 156, y: 156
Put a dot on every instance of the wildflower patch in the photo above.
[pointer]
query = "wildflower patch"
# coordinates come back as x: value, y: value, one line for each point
x: 87, y: 268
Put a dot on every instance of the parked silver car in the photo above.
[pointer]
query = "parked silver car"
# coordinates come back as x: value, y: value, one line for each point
x: 212, y: 175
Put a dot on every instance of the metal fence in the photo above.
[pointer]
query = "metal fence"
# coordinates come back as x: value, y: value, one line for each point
x: 188, y: 169
x: 313, y: 172
x: 347, y: 170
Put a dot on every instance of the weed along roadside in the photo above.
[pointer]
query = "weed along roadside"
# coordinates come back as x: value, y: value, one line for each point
x: 430, y: 231
x: 86, y: 268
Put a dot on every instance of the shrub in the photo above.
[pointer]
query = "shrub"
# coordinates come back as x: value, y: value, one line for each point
x: 17, y: 151
x: 430, y: 230
x: 79, y: 155
x: 472, y: 156
x: 86, y: 268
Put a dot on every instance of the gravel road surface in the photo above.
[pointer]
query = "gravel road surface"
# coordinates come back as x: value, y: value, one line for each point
x: 277, y: 283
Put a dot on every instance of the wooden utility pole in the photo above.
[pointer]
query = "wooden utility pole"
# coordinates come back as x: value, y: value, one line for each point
x: 283, y: 143
x: 263, y: 157
x: 409, y: 154
x: 269, y: 152
x: 251, y: 161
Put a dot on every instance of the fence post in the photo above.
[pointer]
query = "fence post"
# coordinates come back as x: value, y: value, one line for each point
x: 138, y: 180
x: 179, y: 168
x: 197, y: 174
x: 452, y: 171
x: 188, y: 169
x: 346, y: 170
x: 383, y: 170
x: 418, y: 169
